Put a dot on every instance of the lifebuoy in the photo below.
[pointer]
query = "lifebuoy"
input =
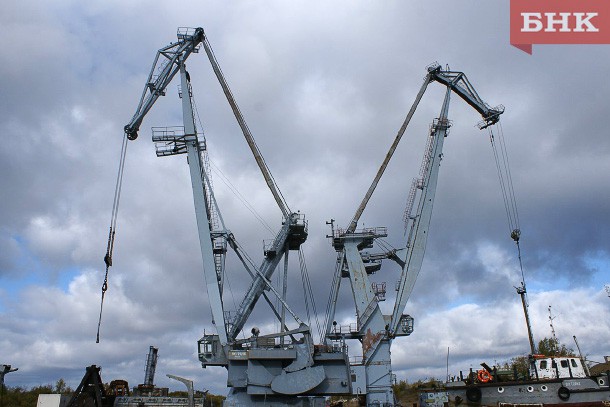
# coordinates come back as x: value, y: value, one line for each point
x: 484, y: 376
x: 473, y: 394
x: 563, y: 393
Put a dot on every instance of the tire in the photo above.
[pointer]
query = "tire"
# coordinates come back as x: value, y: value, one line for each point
x: 563, y: 393
x: 473, y: 394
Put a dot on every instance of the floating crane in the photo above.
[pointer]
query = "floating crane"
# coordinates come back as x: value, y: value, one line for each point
x: 374, y: 330
x: 271, y: 369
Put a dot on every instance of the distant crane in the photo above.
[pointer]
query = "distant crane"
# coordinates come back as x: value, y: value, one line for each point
x: 4, y: 370
x: 374, y: 330
x: 151, y: 366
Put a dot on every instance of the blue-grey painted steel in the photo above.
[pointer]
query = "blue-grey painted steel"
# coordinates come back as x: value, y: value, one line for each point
x: 201, y: 212
x: 555, y: 392
x: 388, y: 157
x: 259, y: 370
x: 371, y: 323
x: 375, y: 330
x: 458, y: 83
x: 298, y: 382
x: 267, y: 269
x: 238, y: 398
x: 189, y: 388
x: 418, y: 235
x: 277, y: 195
x: 164, y: 68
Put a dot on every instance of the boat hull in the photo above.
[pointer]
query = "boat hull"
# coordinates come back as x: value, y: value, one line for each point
x: 574, y: 392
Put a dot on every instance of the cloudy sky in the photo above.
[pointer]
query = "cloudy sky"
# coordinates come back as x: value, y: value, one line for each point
x: 324, y: 87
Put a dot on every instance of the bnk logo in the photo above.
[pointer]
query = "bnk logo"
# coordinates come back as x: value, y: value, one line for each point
x: 533, y: 22
x: 559, y: 22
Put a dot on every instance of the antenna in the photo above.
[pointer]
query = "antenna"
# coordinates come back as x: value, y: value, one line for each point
x: 582, y: 360
x: 555, y: 343
x: 447, y: 363
x: 551, y: 318
x: 522, y: 291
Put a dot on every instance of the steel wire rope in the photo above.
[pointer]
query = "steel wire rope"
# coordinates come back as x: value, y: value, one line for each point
x: 508, y: 193
x: 308, y: 290
x: 502, y: 167
x: 226, y: 180
x: 508, y: 171
x: 238, y: 195
x: 277, y: 325
x: 249, y: 260
x: 233, y: 299
x: 517, y: 230
x: 200, y: 122
x: 243, y: 122
x: 329, y: 304
x: 111, y: 234
x: 384, y: 244
x: 235, y: 191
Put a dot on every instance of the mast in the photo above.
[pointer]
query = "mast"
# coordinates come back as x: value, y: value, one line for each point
x: 522, y: 291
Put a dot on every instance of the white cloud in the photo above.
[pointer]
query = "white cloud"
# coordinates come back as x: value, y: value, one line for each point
x: 324, y: 87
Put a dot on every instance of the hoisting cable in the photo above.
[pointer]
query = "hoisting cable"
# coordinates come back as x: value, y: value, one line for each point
x: 510, y: 203
x: 330, y: 305
x: 505, y: 178
x: 112, y: 231
x: 258, y: 157
x: 354, y: 222
x: 225, y: 180
x: 506, y: 185
x: 308, y: 291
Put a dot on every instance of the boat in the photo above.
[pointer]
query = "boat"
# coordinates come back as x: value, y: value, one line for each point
x: 550, y: 381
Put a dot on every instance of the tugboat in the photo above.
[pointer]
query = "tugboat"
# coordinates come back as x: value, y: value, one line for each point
x: 551, y: 381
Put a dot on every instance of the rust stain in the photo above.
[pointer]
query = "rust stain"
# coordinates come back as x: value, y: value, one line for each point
x: 369, y: 340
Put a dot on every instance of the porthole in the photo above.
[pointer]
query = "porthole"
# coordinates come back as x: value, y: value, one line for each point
x: 500, y: 389
x: 530, y: 389
x: 543, y: 387
x: 601, y: 381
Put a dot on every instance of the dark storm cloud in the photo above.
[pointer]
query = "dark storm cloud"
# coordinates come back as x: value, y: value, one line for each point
x: 324, y: 87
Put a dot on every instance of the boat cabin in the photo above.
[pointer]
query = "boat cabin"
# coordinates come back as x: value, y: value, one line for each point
x: 545, y: 367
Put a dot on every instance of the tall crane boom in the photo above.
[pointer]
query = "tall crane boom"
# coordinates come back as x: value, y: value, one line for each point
x: 373, y: 329
x: 458, y: 83
x: 416, y: 245
x: 260, y: 161
x: 259, y: 372
x: 165, y: 67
